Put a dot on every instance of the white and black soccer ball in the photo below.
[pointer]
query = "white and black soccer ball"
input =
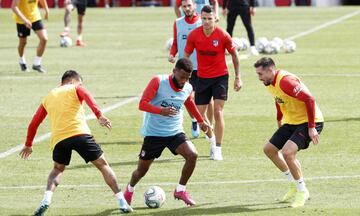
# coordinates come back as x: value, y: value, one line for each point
x: 237, y: 43
x: 279, y: 41
x: 65, y: 41
x: 289, y: 46
x: 245, y: 44
x: 154, y: 197
x: 169, y: 43
x: 272, y: 48
x: 261, y: 43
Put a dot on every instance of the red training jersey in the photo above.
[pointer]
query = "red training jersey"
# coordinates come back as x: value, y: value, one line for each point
x: 210, y: 51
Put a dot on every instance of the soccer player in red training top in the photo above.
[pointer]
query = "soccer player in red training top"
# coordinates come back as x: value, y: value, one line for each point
x: 163, y: 101
x: 182, y: 27
x: 299, y: 120
x: 70, y: 132
x: 210, y: 42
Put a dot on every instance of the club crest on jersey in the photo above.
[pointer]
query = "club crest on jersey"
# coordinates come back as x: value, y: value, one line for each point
x: 215, y: 43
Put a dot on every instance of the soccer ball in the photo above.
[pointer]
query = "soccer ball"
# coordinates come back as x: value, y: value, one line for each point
x: 272, y: 48
x: 240, y: 44
x: 65, y: 41
x: 289, y: 46
x: 261, y: 44
x: 154, y: 197
x: 169, y: 43
x: 245, y: 43
x: 279, y: 41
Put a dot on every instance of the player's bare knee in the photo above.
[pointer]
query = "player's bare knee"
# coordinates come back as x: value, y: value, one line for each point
x: 218, y: 113
x: 288, y: 155
x: 191, y: 156
x: 268, y: 150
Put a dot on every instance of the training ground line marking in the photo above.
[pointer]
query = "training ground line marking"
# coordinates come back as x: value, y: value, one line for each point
x: 332, y: 22
x: 88, y: 117
x: 191, y: 183
x: 312, y: 30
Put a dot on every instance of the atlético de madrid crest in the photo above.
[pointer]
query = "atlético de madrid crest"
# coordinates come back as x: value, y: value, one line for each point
x: 215, y: 43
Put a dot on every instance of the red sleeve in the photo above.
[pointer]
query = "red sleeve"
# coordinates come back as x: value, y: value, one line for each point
x: 34, y: 124
x: 174, y: 49
x: 291, y: 86
x: 189, y: 48
x: 191, y: 107
x: 178, y: 3
x: 279, y: 114
x: 84, y: 94
x: 228, y: 43
x: 148, y: 94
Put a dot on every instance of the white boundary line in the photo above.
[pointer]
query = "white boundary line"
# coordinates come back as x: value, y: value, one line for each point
x: 317, y: 28
x: 47, y: 135
x: 191, y: 183
x: 312, y: 30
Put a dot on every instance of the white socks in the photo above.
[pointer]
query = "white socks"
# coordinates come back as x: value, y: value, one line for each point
x: 67, y: 29
x: 287, y: 173
x: 212, y: 140
x: 300, y: 184
x: 47, y: 197
x: 22, y: 60
x: 79, y: 37
x: 119, y: 196
x: 130, y: 188
x: 37, y: 60
x: 180, y: 188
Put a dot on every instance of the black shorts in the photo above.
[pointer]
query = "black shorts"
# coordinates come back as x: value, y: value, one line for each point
x: 154, y: 145
x: 297, y: 133
x: 24, y: 32
x: 194, y: 80
x: 84, y: 144
x: 80, y: 6
x: 207, y: 88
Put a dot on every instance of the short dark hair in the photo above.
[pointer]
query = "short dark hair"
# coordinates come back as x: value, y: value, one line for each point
x: 69, y: 75
x: 264, y: 62
x: 207, y: 9
x: 184, y: 64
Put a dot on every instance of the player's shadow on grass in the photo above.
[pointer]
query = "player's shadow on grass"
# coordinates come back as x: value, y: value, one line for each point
x: 114, y: 211
x: 135, y: 162
x: 121, y: 143
x: 200, y: 210
x: 343, y: 119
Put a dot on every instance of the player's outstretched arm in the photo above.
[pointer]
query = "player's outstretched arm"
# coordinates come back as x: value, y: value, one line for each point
x: 25, y: 152
x: 104, y: 122
x: 31, y: 132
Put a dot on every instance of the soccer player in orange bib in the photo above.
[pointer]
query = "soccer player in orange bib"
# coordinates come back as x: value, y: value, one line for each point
x: 27, y: 17
x: 70, y: 132
x: 300, y: 121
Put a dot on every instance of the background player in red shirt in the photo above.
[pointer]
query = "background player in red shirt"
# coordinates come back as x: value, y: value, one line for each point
x: 210, y: 42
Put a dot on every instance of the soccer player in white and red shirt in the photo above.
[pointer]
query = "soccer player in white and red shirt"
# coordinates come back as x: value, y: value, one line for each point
x: 210, y: 42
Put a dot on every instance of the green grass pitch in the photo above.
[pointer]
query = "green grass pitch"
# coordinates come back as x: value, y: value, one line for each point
x: 126, y: 47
